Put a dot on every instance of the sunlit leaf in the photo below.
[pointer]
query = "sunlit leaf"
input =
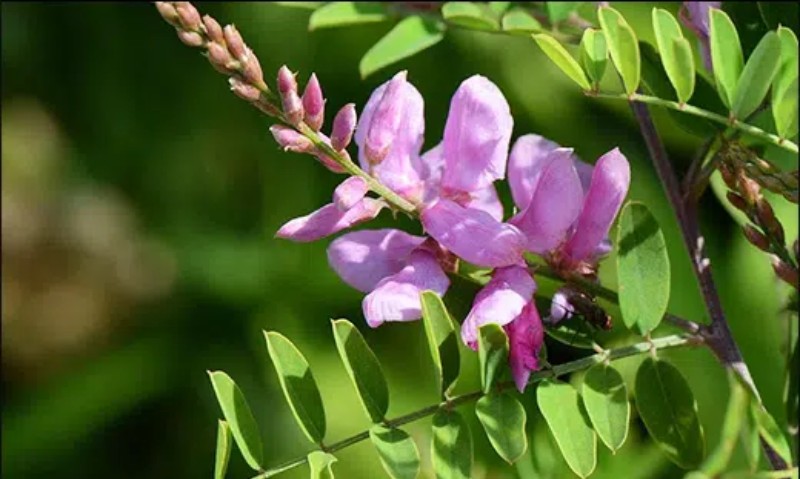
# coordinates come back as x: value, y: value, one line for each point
x: 339, y: 14
x: 492, y: 353
x: 503, y: 420
x: 622, y: 46
x: 606, y: 399
x: 563, y: 60
x: 470, y: 15
x: 298, y: 384
x: 643, y: 269
x: 410, y: 36
x: 518, y: 20
x: 320, y: 463
x: 223, y: 450
x: 594, y: 54
x: 676, y: 53
x: 561, y: 407
x: 451, y: 449
x: 239, y: 418
x: 726, y: 54
x: 397, y: 451
x: 442, y: 337
x: 757, y: 76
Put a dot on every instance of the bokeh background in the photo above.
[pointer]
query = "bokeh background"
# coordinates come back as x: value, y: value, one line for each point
x: 139, y: 203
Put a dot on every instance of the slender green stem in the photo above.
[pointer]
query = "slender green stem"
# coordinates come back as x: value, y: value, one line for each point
x: 558, y: 370
x: 693, y: 110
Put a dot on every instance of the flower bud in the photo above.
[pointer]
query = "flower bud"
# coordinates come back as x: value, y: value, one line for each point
x: 386, y: 120
x: 292, y: 105
x: 344, y: 124
x: 286, y: 80
x: 350, y: 192
x: 737, y: 201
x: 767, y: 218
x: 243, y: 90
x: 756, y: 238
x: 192, y: 39
x: 252, y: 70
x: 188, y: 16
x: 213, y: 29
x: 314, y: 104
x: 749, y: 190
x: 168, y: 13
x: 786, y: 272
x: 235, y: 43
x: 727, y: 175
x: 290, y: 140
x: 219, y: 57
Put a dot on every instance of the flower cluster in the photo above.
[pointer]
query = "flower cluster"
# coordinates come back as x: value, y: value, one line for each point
x: 565, y: 209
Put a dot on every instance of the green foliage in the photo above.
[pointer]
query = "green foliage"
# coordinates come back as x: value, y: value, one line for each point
x: 561, y: 57
x: 239, y: 418
x: 471, y: 15
x: 363, y: 368
x: 407, y: 38
x: 726, y: 54
x: 623, y: 47
x: 735, y: 413
x: 440, y: 330
x: 298, y: 384
x: 669, y: 411
x: 784, y: 86
x: 560, y: 11
x: 757, y: 76
x: 519, y: 21
x: 566, y: 417
x: 594, y: 55
x: 770, y: 432
x: 606, y: 399
x: 451, y: 446
x: 339, y: 14
x: 573, y: 332
x: 320, y: 463
x: 492, y: 353
x: 503, y: 420
x: 676, y: 53
x: 223, y: 453
x: 397, y: 451
x: 643, y: 269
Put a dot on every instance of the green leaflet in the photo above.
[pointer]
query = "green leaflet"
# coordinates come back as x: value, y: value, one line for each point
x: 676, y: 53
x: 726, y: 54
x: 320, y: 462
x: 440, y: 330
x: 594, y: 54
x: 397, y: 451
x: 451, y: 446
x: 756, y: 78
x: 606, y: 399
x: 503, y: 419
x: 519, y: 21
x: 561, y: 407
x: 223, y: 453
x: 339, y: 14
x: 410, y: 36
x: 770, y: 431
x: 622, y: 46
x: 470, y: 15
x: 492, y: 353
x: 239, y: 418
x: 563, y: 60
x: 560, y: 11
x: 784, y: 86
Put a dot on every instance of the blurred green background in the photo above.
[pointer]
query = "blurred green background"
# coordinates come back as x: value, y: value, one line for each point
x: 139, y: 203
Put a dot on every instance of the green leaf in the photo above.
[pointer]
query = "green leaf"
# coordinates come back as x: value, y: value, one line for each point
x: 451, y: 446
x: 770, y: 432
x: 643, y: 269
x: 339, y: 14
x: 623, y: 47
x: 397, y: 451
x: 751, y: 441
x: 757, y: 76
x: 736, y: 411
x: 499, y: 7
x: 561, y: 407
x: 223, y: 450
x: 320, y: 463
x: 442, y: 340
x: 239, y: 418
x: 784, y: 86
x: 784, y: 110
x: 363, y: 368
x: 560, y: 11
x: 726, y: 54
x: 787, y: 69
x: 572, y: 332
x: 301, y: 5
x: 492, y: 353
x: 594, y: 54
x: 298, y: 385
x: 410, y: 36
x: 518, y: 20
x: 790, y: 394
x: 561, y: 57
x: 676, y: 53
x: 470, y: 15
x: 669, y: 411
x: 503, y: 420
x: 606, y: 399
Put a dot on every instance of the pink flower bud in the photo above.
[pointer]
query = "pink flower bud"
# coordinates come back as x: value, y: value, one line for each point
x: 168, y: 13
x: 252, y: 69
x: 290, y: 140
x: 386, y: 120
x: 244, y: 91
x: 286, y: 80
x: 188, y: 16
x: 219, y: 57
x: 314, y: 104
x: 235, y: 43
x: 192, y: 39
x: 343, y: 126
x: 213, y: 29
x: 292, y: 105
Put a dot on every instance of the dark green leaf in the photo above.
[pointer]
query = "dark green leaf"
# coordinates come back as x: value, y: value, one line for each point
x: 397, y: 451
x: 606, y: 399
x: 442, y: 340
x: 726, y: 54
x: 560, y: 11
x: 451, y: 448
x: 561, y: 57
x: 561, y: 407
x: 492, y: 352
x: 320, y: 463
x: 669, y: 411
x: 339, y: 14
x: 622, y: 46
x: 239, y: 418
x: 503, y: 420
x: 223, y: 450
x: 470, y: 15
x: 298, y: 385
x: 757, y: 76
x: 410, y: 36
x: 594, y: 54
x: 572, y: 332
x: 363, y: 368
x: 770, y: 432
x: 643, y: 269
x: 676, y: 53
x: 518, y: 20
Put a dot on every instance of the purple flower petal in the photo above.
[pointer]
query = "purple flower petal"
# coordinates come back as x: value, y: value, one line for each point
x: 529, y: 157
x: 695, y: 16
x: 328, y: 220
x: 363, y: 258
x: 555, y: 205
x: 486, y: 199
x: 476, y: 136
x: 560, y: 307
x: 349, y: 192
x: 473, y: 235
x: 525, y: 339
x: 396, y: 298
x: 610, y: 181
x: 500, y: 301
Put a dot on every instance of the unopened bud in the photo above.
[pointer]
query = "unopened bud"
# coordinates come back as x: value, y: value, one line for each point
x: 286, y: 80
x: 219, y: 57
x: 290, y: 140
x: 786, y: 272
x: 386, y: 118
x: 188, y: 16
x: 243, y: 90
x: 192, y: 39
x: 314, y: 104
x: 213, y: 29
x: 756, y: 238
x: 252, y: 70
x: 344, y: 124
x: 235, y: 43
x: 290, y: 100
x: 727, y: 175
x: 737, y: 201
x: 168, y: 13
x: 749, y: 190
x: 349, y: 192
x: 767, y: 218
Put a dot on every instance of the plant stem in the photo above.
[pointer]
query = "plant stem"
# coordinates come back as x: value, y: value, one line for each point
x: 693, y: 110
x: 558, y: 370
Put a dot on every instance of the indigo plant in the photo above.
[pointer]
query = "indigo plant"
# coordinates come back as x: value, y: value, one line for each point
x: 560, y: 230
